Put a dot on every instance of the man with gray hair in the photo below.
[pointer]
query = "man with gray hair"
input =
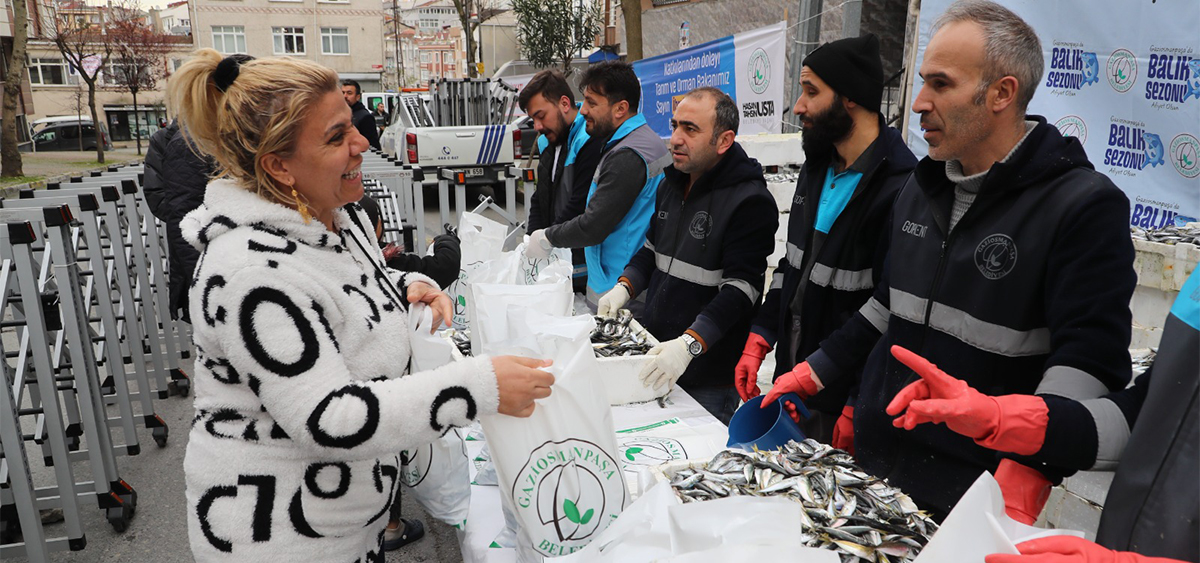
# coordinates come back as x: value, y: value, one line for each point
x: 705, y: 255
x: 1010, y: 267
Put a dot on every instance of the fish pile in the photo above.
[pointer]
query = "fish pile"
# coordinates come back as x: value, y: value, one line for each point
x: 1143, y: 361
x: 614, y: 337
x: 461, y: 340
x: 1170, y: 234
x: 845, y: 509
x: 784, y: 176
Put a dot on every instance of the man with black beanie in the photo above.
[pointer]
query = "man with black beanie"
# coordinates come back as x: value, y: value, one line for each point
x: 854, y: 165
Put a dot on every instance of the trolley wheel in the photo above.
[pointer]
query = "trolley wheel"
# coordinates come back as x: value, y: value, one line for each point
x: 184, y: 386
x: 173, y: 388
x: 119, y: 517
x: 160, y: 436
x: 73, y: 443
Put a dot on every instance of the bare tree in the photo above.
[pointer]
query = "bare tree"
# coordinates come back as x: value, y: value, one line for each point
x: 10, y: 156
x: 471, y: 13
x: 76, y: 104
x: 632, y: 10
x: 139, y: 61
x: 87, y: 48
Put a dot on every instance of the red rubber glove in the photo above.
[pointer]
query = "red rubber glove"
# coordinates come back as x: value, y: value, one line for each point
x: 745, y: 375
x: 843, y: 430
x: 1009, y: 423
x: 1025, y: 490
x: 1070, y: 549
x: 800, y: 381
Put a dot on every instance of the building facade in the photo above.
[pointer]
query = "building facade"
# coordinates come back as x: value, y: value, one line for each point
x: 345, y: 35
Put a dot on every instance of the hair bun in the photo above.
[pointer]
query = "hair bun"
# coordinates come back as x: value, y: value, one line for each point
x: 228, y: 69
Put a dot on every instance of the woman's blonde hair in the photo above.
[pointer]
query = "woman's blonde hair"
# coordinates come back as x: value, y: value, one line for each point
x: 260, y: 112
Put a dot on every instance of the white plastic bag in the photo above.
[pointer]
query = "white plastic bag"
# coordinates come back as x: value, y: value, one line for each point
x: 437, y: 474
x: 481, y: 239
x: 429, y: 350
x: 558, y: 469
x: 491, y: 304
x: 438, y: 477
x: 978, y: 526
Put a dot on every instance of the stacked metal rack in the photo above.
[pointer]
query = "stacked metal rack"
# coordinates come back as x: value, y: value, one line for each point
x: 83, y: 295
x: 458, y: 102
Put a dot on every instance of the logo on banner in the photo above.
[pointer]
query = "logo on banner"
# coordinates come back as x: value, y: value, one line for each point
x: 1072, y: 126
x: 759, y: 71
x: 1132, y: 148
x: 1122, y: 70
x: 569, y: 488
x: 1072, y: 68
x: 996, y: 256
x: 1172, y: 77
x: 1185, y: 155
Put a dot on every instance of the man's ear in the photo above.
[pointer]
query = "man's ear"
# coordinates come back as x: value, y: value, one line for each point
x: 725, y: 141
x: 564, y: 104
x: 621, y: 109
x: 1004, y: 92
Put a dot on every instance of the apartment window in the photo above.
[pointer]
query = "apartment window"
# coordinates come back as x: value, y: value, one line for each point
x: 229, y: 38
x: 288, y: 40
x: 335, y: 41
x: 47, y: 71
x: 424, y: 56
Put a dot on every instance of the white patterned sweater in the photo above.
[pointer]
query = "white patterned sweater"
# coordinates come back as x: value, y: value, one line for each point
x: 300, y: 410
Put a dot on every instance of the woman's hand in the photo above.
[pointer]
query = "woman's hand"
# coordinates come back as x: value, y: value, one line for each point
x: 520, y: 383
x: 436, y: 299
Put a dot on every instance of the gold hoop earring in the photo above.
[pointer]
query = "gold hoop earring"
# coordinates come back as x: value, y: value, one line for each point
x: 303, y: 209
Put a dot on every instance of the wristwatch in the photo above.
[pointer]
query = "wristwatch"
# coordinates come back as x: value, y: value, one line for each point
x: 694, y: 347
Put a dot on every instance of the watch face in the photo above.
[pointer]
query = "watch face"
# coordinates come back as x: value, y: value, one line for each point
x: 695, y: 348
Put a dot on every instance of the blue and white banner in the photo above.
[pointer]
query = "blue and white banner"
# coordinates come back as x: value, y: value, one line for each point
x: 1124, y: 78
x: 749, y: 66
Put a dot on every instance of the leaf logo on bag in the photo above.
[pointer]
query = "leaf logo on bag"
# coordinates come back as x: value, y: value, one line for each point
x: 649, y: 450
x: 569, y: 488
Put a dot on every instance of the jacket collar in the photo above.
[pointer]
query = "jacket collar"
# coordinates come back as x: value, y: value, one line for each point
x: 625, y: 129
x: 1044, y: 154
x: 227, y: 206
x: 735, y: 168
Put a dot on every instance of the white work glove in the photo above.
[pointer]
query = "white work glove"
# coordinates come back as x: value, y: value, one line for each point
x: 613, y: 301
x: 539, y: 246
x: 669, y: 360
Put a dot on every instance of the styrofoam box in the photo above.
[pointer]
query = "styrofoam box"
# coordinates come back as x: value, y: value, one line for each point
x: 620, y: 375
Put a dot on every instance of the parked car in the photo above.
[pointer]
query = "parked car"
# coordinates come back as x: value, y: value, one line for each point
x: 64, y: 136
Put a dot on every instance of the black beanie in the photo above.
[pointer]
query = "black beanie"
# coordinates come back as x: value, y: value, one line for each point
x: 852, y: 68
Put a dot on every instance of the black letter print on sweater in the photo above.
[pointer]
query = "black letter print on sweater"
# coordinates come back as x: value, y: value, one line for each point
x: 377, y: 473
x: 289, y: 246
x: 308, y: 337
x: 260, y: 523
x: 313, y: 473
x: 445, y: 396
x: 212, y: 283
x: 374, y: 318
x: 364, y: 433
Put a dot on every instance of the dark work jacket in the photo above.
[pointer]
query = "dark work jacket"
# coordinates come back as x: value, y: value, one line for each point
x: 847, y: 269
x: 1153, y: 505
x: 703, y: 265
x: 364, y: 121
x: 565, y: 197
x: 441, y: 266
x: 1029, y: 294
x: 174, y: 184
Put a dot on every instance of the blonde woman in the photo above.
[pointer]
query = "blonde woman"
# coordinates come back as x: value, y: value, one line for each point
x: 300, y: 329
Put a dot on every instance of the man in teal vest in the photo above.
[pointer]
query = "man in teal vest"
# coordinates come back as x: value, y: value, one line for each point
x: 621, y: 199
